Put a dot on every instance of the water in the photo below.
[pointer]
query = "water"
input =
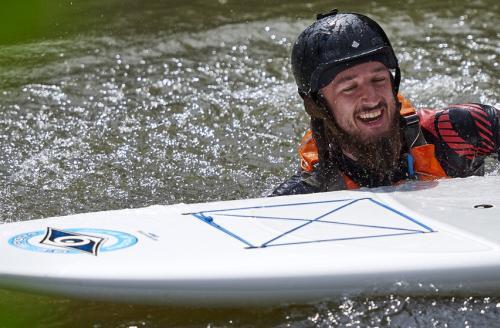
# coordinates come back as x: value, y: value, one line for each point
x: 116, y: 104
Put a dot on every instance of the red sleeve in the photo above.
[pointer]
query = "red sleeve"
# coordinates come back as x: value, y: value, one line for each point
x: 469, y: 130
x: 463, y: 135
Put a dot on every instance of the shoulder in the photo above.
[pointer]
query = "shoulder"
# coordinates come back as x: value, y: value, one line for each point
x: 459, y: 117
x: 458, y: 111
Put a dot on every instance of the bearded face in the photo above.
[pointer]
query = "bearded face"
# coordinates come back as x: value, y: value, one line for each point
x: 366, y: 118
x: 378, y: 155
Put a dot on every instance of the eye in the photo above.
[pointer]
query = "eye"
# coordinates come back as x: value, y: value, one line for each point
x: 349, y: 88
x: 379, y: 79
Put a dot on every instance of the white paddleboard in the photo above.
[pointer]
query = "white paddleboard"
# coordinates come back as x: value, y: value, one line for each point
x: 418, y: 238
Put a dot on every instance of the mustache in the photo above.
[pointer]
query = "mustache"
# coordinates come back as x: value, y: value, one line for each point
x: 382, y: 104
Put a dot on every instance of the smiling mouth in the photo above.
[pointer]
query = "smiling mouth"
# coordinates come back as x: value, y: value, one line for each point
x: 370, y: 116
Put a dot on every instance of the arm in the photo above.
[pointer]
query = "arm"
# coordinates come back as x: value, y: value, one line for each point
x: 464, y: 136
x: 302, y: 182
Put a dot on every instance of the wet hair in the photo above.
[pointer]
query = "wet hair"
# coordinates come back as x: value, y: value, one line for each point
x: 322, y: 127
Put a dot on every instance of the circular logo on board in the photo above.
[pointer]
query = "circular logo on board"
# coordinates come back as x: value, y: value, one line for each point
x: 73, y: 241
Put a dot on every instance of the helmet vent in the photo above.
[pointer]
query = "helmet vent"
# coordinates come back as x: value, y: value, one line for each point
x: 354, y: 44
x: 332, y: 12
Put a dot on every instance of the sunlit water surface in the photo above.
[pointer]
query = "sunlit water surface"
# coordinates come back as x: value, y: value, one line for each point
x: 133, y: 103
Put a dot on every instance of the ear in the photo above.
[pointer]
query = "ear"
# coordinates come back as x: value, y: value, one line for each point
x: 311, y: 107
x: 316, y: 107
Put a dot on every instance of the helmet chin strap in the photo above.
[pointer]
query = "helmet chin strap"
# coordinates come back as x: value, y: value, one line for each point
x: 396, y: 81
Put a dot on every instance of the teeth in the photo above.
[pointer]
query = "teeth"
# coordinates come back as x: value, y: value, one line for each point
x: 370, y: 115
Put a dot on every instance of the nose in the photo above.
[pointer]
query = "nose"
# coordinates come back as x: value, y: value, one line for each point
x: 369, y: 95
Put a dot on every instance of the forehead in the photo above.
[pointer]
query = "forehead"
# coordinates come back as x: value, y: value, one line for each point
x: 360, y: 70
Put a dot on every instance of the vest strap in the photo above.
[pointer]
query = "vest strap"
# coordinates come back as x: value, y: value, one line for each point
x: 413, y: 133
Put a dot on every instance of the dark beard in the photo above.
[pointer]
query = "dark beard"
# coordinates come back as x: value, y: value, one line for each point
x: 377, y: 160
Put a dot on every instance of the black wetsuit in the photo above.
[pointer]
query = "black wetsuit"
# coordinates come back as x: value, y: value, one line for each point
x: 463, y: 135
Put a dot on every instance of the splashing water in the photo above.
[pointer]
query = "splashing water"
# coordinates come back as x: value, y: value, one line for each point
x: 128, y: 104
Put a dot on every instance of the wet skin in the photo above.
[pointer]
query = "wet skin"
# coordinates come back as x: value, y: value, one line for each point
x: 362, y: 101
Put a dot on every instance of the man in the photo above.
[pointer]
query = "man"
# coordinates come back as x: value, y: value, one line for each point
x: 363, y: 133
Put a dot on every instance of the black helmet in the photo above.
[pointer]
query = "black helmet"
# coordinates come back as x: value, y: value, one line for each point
x: 334, y: 42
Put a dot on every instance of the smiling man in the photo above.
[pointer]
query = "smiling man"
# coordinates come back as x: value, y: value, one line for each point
x: 363, y: 132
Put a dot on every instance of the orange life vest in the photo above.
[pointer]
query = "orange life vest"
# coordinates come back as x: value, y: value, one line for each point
x: 425, y: 163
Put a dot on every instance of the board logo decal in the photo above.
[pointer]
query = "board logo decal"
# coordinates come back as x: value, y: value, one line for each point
x: 73, y: 241
x: 84, y: 243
